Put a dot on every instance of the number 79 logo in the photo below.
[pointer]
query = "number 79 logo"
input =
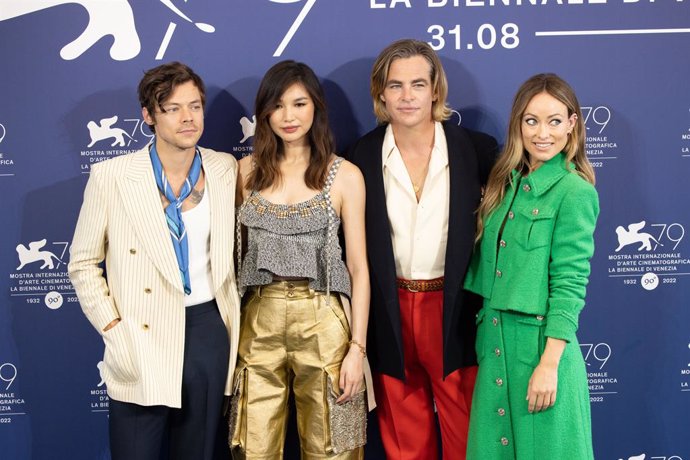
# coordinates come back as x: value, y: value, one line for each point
x: 295, y: 25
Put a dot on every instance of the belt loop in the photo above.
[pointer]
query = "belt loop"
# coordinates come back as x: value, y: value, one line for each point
x: 258, y: 291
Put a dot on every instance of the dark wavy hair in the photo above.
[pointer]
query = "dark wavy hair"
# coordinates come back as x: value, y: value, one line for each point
x: 158, y: 84
x: 268, y: 147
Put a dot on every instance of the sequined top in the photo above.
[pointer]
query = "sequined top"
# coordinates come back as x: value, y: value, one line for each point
x: 298, y: 240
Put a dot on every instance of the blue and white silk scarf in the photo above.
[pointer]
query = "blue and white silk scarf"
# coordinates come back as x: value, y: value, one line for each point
x: 173, y: 212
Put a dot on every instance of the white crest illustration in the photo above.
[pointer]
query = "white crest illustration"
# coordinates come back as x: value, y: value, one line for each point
x: 105, y: 130
x: 208, y: 28
x: 112, y: 17
x: 34, y: 254
x: 632, y: 235
x: 100, y: 373
x: 248, y: 128
x: 295, y: 25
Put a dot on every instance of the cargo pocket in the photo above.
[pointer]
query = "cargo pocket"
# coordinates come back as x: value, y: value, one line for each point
x: 347, y: 422
x: 530, y: 339
x: 479, y: 342
x: 237, y: 407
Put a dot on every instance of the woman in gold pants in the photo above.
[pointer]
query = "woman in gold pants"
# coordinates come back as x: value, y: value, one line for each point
x: 298, y: 330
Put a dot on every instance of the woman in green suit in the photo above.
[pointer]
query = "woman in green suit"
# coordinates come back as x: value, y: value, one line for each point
x: 531, y: 265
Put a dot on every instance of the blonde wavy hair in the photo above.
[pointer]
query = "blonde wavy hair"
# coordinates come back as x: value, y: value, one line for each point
x: 514, y: 156
x: 402, y: 49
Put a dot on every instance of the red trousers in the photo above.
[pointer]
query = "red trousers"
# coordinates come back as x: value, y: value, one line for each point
x: 406, y: 409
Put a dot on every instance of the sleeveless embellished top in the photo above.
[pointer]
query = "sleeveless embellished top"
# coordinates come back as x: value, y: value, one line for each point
x: 299, y: 240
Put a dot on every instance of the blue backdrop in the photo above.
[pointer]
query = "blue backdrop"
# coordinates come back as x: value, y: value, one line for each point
x: 68, y: 100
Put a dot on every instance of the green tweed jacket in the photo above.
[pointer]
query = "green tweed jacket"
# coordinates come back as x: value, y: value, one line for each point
x: 539, y: 263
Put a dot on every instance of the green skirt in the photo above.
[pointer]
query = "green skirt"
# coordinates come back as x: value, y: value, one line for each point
x: 509, y: 346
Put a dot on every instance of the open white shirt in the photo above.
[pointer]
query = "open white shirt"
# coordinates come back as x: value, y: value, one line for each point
x: 419, y: 231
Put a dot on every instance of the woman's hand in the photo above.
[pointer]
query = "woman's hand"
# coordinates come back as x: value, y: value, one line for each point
x: 351, y: 375
x: 543, y: 385
x: 542, y: 388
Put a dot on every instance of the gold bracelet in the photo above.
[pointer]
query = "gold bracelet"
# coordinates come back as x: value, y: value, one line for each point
x: 361, y: 347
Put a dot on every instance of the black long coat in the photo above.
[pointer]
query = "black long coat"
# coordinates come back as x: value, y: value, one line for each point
x: 470, y: 157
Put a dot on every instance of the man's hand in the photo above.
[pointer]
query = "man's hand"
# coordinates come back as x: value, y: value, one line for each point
x: 111, y: 325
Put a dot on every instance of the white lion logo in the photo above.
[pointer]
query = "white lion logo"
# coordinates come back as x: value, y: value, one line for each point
x: 100, y: 366
x: 632, y: 236
x: 248, y: 127
x: 112, y: 17
x: 105, y: 130
x: 33, y: 254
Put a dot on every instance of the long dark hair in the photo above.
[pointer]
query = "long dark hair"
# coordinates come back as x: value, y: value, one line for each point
x: 268, y: 147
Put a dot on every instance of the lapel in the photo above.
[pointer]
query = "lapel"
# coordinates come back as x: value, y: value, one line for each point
x: 380, y: 246
x: 142, y: 204
x: 464, y: 197
x: 222, y: 198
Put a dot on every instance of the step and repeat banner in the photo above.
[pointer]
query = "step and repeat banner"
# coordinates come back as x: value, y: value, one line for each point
x: 68, y: 100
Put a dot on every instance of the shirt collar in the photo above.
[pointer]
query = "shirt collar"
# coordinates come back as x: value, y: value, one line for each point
x: 547, y: 174
x: 439, y: 156
x: 388, y: 145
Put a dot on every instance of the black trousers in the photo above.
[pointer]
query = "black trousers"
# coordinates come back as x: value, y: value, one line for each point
x: 197, y: 430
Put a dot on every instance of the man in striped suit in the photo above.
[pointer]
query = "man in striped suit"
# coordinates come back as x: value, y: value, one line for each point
x: 162, y: 220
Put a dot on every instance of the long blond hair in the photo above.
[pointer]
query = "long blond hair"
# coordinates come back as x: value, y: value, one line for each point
x: 403, y: 49
x: 514, y: 156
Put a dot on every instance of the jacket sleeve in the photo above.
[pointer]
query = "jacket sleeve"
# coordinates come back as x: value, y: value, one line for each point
x: 87, y: 254
x: 569, y: 266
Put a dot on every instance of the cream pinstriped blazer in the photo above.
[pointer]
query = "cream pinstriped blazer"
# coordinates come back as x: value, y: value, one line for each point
x: 122, y: 222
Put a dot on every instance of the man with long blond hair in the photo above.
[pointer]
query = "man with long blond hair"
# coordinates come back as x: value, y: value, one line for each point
x: 423, y: 176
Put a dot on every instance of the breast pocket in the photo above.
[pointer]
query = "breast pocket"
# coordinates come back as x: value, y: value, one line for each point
x: 534, y: 227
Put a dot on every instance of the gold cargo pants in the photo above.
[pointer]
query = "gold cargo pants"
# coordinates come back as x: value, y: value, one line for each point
x: 289, y: 339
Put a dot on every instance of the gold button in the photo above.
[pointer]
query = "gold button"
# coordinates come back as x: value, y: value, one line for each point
x: 291, y: 286
x: 535, y: 211
x: 147, y: 290
x: 540, y: 318
x: 132, y: 251
x: 499, y: 382
x: 526, y: 188
x: 495, y: 321
x: 501, y: 412
x: 290, y: 294
x: 502, y: 243
x: 504, y: 441
x: 511, y: 215
x: 498, y: 352
x: 145, y: 327
x: 499, y: 273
